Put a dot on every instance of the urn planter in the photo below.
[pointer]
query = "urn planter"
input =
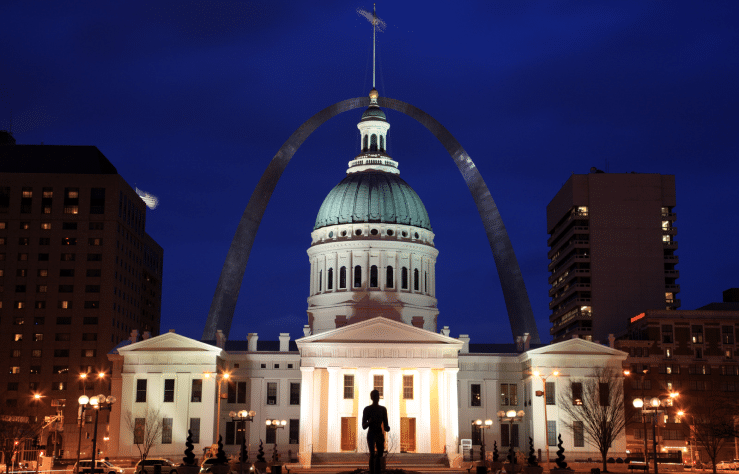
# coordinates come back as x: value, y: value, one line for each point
x: 188, y: 469
x: 533, y: 470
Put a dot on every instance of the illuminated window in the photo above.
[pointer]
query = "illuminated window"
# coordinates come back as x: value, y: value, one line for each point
x: 408, y: 387
x: 90, y: 353
x: 475, y: 395
x: 67, y: 257
x: 508, y: 394
x: 15, y: 369
x: 727, y: 334
x: 48, y: 193
x: 697, y: 334
x: 36, y: 353
x: 378, y: 383
x: 69, y: 240
x: 576, y: 393
x: 71, y: 209
x: 46, y: 225
x: 15, y: 353
x: 271, y: 393
x: 348, y: 387
x: 38, y: 337
x: 42, y: 272
x: 65, y: 304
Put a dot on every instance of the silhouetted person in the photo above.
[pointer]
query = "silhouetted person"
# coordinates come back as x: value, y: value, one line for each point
x: 374, y: 419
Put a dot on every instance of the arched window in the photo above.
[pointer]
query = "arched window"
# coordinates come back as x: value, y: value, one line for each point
x: 357, y: 276
x: 389, y: 278
x: 330, y: 282
x: 342, y: 277
x: 320, y: 280
x: 415, y: 279
x: 373, y: 276
x: 404, y: 278
x: 366, y: 138
x: 373, y: 142
x: 425, y: 282
x: 382, y: 143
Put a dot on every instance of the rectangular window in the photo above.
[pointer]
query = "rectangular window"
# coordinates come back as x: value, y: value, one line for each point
x: 66, y: 288
x: 96, y: 225
x: 508, y: 394
x: 475, y: 395
x: 271, y: 394
x: 294, y: 394
x: 89, y: 336
x: 62, y: 336
x: 138, y: 430
x: 90, y: 320
x: 38, y: 337
x: 166, y: 430
x: 578, y: 433
x: 505, y: 435
x: 197, y: 391
x: 348, y: 387
x: 62, y: 320
x: 727, y: 334
x: 97, y: 201
x: 604, y: 394
x: 168, y: 390
x: 94, y: 257
x: 195, y: 430
x: 88, y: 353
x: 67, y: 257
x: 230, y: 429
x: 61, y: 352
x: 476, y: 434
x: 12, y: 386
x: 667, y: 334
x: 93, y: 272
x: 92, y: 304
x: 551, y: 432
x: 141, y: 391
x: 407, y: 387
x: 43, y: 257
x: 551, y: 393
x: 35, y: 369
x: 378, y: 381
x: 60, y: 369
x: 42, y: 288
x: 95, y: 241
x: 294, y: 434
x: 576, y: 393
x: 271, y: 435
x: 18, y: 337
x: 15, y: 353
x: 44, y: 241
x: 16, y: 370
x: 92, y: 288
x: 697, y: 334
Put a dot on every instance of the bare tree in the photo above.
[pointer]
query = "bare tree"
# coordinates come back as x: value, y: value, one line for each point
x: 712, y: 423
x: 146, y: 430
x: 17, y: 425
x: 597, y: 404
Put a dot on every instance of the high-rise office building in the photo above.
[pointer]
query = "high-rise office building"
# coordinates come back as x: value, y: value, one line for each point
x: 612, y: 252
x: 78, y: 273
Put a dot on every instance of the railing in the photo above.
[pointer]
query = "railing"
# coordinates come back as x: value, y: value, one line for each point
x: 568, y: 291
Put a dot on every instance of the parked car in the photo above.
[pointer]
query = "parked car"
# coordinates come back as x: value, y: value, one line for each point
x: 149, y: 466
x: 725, y: 465
x: 207, y: 464
x: 101, y: 467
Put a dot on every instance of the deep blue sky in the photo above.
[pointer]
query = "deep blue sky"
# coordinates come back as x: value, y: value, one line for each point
x: 191, y: 99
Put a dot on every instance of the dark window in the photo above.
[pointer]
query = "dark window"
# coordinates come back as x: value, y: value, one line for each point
x: 89, y: 336
x: 230, y: 430
x: 97, y: 226
x: 551, y: 433
x: 67, y: 257
x: 294, y: 435
x: 197, y: 390
x: 389, y: 278
x: 404, y: 278
x: 61, y: 352
x: 39, y: 320
x: 169, y: 390
x: 62, y: 336
x: 94, y: 257
x: 4, y: 198
x: 357, y: 276
x: 320, y: 280
x: 241, y: 392
x: 44, y: 241
x: 551, y: 393
x: 166, y: 430
x: 69, y: 240
x: 294, y: 394
x: 576, y: 393
x: 138, y: 430
x: 415, y: 279
x: 92, y: 288
x: 92, y: 304
x: 20, y: 288
x: 63, y: 320
x: 348, y: 387
x: 604, y: 394
x: 373, y: 142
x: 342, y: 277
x: 271, y: 394
x: 93, y: 272
x: 97, y: 201
x: 69, y: 226
x: 141, y: 391
x: 195, y: 430
x: 578, y: 433
x: 330, y: 282
x: 727, y: 334
x: 667, y: 334
x: 66, y: 288
x: 66, y: 272
x: 271, y: 437
x: 364, y: 148
x: 476, y: 434
x: 373, y: 276
x: 90, y: 320
x: 475, y: 396
x: 43, y: 257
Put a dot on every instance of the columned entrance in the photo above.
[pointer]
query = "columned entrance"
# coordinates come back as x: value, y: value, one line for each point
x: 348, y: 433
x: 407, y: 435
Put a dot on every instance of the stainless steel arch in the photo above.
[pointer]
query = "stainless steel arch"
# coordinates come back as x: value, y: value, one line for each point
x: 516, y: 298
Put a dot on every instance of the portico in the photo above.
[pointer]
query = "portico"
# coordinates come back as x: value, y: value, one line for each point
x: 415, y: 371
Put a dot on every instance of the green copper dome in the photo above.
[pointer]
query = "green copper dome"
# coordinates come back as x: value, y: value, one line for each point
x: 371, y: 196
x: 373, y: 112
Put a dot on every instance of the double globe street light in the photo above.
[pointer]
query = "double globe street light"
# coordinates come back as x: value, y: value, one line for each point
x: 653, y: 405
x: 99, y: 402
x: 482, y: 425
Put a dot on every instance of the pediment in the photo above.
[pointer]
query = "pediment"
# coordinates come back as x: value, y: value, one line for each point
x: 576, y: 347
x: 379, y: 330
x: 170, y: 342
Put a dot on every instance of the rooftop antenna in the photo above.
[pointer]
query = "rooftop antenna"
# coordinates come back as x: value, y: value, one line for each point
x: 377, y: 24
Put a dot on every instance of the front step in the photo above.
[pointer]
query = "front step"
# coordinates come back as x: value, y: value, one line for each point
x: 395, y: 459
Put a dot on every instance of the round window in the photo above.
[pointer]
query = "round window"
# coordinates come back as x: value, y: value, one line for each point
x: 415, y: 235
x: 358, y: 231
x: 404, y: 234
x: 390, y: 232
x: 331, y: 234
x: 343, y: 233
x: 373, y: 232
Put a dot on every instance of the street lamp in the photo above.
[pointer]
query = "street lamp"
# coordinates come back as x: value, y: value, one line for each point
x: 482, y: 425
x: 99, y: 402
x: 543, y: 394
x: 276, y: 424
x: 511, y: 416
x: 242, y: 416
x: 654, y: 405
x: 219, y: 378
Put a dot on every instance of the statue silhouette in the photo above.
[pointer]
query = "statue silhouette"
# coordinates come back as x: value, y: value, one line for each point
x: 374, y: 417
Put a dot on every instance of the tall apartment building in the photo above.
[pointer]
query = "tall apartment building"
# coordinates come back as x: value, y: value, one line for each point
x: 612, y: 252
x: 78, y: 273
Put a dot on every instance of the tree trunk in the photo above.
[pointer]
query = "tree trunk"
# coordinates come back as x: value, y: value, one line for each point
x: 605, y: 466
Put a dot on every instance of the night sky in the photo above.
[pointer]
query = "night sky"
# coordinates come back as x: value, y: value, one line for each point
x: 191, y: 99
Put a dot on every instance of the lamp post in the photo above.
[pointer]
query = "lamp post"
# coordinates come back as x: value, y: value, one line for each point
x: 543, y: 393
x: 242, y: 416
x: 690, y: 438
x: 97, y: 403
x: 275, y: 425
x: 654, y: 405
x: 482, y: 425
x: 511, y: 416
x: 219, y: 378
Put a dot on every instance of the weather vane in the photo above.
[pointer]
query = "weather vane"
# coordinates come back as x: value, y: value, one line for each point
x: 377, y: 24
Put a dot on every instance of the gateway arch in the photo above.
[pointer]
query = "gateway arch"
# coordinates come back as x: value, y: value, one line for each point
x: 516, y: 298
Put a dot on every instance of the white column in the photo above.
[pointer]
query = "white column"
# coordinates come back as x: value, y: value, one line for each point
x: 364, y: 387
x: 334, y: 423
x: 452, y: 422
x: 393, y: 407
x: 257, y: 402
x: 306, y: 416
x: 423, y: 431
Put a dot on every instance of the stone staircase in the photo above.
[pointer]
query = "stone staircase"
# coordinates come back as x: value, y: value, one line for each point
x: 394, y: 460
